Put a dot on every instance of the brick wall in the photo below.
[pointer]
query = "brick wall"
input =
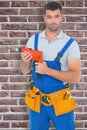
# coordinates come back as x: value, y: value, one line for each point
x: 19, y: 19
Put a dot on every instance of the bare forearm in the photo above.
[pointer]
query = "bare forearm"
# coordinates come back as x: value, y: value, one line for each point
x: 65, y: 76
x: 71, y: 76
x: 25, y: 67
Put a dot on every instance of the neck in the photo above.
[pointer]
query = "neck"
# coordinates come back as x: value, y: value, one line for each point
x: 51, y: 34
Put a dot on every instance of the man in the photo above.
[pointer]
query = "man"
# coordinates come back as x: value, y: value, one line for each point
x: 60, y: 66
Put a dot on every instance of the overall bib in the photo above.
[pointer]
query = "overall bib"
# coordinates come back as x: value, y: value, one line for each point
x: 48, y: 84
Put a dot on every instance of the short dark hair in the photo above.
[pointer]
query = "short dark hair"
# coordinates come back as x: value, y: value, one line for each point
x: 52, y: 6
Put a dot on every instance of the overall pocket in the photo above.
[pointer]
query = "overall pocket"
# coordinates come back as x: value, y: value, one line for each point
x: 32, y: 100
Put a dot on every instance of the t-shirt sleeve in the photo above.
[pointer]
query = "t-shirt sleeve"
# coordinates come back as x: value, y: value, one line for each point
x: 73, y: 51
x: 30, y: 42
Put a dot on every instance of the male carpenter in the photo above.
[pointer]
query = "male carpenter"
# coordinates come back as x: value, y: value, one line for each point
x: 60, y: 66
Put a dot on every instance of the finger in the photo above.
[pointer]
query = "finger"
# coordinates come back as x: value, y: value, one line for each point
x: 26, y: 57
x: 26, y: 54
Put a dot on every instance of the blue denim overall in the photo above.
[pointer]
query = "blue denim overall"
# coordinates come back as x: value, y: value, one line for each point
x: 48, y: 84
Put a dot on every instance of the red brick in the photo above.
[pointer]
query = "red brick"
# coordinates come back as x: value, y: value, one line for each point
x: 17, y: 34
x: 82, y: 101
x: 83, y: 41
x: 19, y: 109
x: 68, y: 26
x: 3, y: 63
x: 85, y: 64
x: 4, y: 57
x: 84, y: 56
x: 85, y: 34
x: 3, y: 50
x: 4, y: 3
x: 21, y: 102
x: 69, y: 11
x: 86, y: 92
x: 78, y: 94
x: 85, y: 109
x: 37, y: 3
x: 19, y: 26
x: 82, y: 86
x: 35, y: 19
x: 85, y: 125
x: 16, y: 117
x: 74, y: 3
x: 15, y: 64
x: 3, y: 34
x: 79, y: 109
x: 9, y: 42
x: 74, y: 19
x: 30, y: 11
x: 81, y: 26
x: 83, y: 49
x: 79, y: 125
x: 9, y: 72
x: 23, y: 41
x: 3, y: 94
x: 8, y: 102
x: 19, y: 4
x: 8, y: 11
x: 17, y: 94
x: 4, y: 109
x: 20, y: 125
x: 84, y: 71
x: 22, y: 86
x: 85, y: 3
x: 18, y: 79
x: 82, y: 64
x: 81, y: 117
x: 9, y: 56
x: 18, y: 19
x: 85, y: 79
x: 75, y: 33
x: 3, y: 79
x: 3, y: 19
x: 4, y: 125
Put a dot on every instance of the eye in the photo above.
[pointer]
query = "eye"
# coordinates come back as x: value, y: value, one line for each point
x: 48, y: 16
x: 57, y: 16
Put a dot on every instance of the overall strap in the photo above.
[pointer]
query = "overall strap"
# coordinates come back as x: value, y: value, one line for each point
x: 63, y: 50
x: 36, y: 42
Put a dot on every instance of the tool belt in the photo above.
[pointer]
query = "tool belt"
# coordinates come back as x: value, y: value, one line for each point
x: 62, y: 101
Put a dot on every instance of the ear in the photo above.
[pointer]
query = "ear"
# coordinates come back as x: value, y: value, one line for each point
x: 62, y: 17
x: 43, y: 16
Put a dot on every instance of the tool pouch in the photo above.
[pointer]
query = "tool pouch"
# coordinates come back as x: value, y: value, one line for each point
x: 32, y: 100
x: 62, y: 106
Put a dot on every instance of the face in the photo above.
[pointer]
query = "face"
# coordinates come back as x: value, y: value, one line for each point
x: 53, y: 19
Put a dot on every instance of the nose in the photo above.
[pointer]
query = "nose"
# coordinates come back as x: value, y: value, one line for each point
x: 53, y: 20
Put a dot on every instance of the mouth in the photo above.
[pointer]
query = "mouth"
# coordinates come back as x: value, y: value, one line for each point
x: 53, y: 27
x: 53, y: 24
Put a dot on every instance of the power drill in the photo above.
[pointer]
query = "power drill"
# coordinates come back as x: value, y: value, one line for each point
x: 36, y: 54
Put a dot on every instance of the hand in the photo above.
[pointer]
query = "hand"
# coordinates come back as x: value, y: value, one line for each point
x: 41, y: 68
x: 26, y: 56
